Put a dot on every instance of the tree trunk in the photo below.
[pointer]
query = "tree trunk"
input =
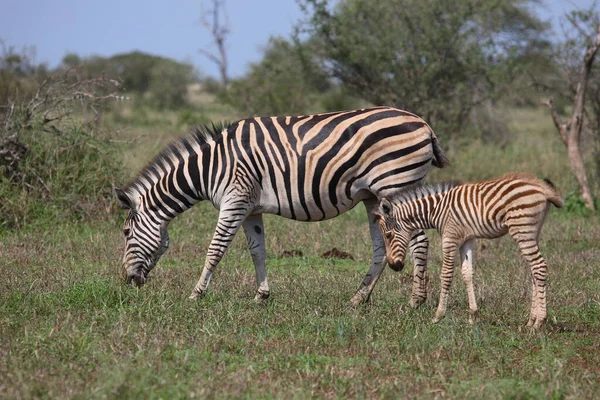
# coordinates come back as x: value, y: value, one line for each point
x: 578, y: 168
x: 570, y: 132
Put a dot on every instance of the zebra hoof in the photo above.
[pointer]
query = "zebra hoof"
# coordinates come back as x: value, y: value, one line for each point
x: 474, y: 317
x: 197, y: 293
x: 416, y: 302
x: 261, y: 297
x: 358, y: 299
x: 538, y: 325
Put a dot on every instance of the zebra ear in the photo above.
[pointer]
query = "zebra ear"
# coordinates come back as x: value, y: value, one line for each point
x: 124, y: 200
x: 377, y: 216
x: 385, y: 207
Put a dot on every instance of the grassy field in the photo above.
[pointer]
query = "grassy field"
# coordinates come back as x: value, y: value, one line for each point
x: 70, y: 328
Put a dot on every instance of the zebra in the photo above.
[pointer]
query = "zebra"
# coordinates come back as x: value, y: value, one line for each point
x: 515, y: 203
x: 306, y: 168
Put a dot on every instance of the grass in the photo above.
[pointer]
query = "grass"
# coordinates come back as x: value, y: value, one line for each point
x: 70, y: 328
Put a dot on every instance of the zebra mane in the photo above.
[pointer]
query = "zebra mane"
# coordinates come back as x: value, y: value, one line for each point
x: 420, y: 191
x: 200, y: 135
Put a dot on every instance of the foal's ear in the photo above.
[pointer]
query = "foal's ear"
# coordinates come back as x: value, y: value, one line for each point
x: 385, y: 208
x: 377, y: 215
x: 123, y: 198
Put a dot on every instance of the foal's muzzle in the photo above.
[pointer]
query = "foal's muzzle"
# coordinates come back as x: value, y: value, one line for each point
x: 396, y: 265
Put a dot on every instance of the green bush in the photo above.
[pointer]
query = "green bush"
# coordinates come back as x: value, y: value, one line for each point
x: 55, y: 162
x: 575, y: 205
x: 61, y: 177
x: 285, y: 82
x: 438, y: 58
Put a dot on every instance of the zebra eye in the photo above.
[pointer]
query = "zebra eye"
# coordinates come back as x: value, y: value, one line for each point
x: 126, y: 232
x: 388, y: 235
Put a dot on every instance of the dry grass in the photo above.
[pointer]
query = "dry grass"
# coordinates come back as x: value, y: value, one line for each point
x: 69, y: 327
x: 66, y: 313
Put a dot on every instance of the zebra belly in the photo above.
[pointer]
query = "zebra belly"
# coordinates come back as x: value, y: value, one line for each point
x: 489, y: 231
x: 306, y: 209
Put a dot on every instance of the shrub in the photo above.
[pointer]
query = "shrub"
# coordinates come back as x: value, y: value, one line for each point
x: 55, y: 162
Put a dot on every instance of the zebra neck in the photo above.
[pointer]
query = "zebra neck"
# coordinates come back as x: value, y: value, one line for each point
x: 170, y: 194
x: 423, y: 213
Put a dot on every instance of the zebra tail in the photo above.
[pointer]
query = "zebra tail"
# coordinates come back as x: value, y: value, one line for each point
x: 552, y: 194
x: 439, y: 159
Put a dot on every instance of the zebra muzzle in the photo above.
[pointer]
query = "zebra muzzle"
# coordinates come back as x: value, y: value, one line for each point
x: 135, y: 278
x: 396, y: 265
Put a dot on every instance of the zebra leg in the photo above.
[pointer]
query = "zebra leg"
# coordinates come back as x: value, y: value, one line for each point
x: 231, y: 218
x: 255, y: 235
x: 539, y: 275
x: 466, y: 252
x: 449, y: 254
x: 378, y: 262
x: 419, y: 247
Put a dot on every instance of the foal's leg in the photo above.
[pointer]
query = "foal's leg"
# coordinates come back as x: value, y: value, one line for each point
x: 466, y: 252
x: 449, y: 249
x: 527, y: 242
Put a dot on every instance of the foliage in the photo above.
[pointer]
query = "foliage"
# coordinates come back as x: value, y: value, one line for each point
x: 67, y: 176
x: 437, y: 58
x: 575, y: 205
x: 168, y: 84
x: 576, y: 55
x: 52, y: 158
x: 286, y: 82
x: 19, y: 75
x: 157, y: 81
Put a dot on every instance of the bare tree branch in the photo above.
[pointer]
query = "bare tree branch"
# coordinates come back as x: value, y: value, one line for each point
x: 570, y: 131
x: 562, y: 127
x: 219, y: 31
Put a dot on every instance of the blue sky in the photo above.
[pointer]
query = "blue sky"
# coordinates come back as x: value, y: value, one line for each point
x: 167, y: 28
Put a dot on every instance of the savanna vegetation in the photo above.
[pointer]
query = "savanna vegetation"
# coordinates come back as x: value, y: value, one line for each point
x: 70, y: 327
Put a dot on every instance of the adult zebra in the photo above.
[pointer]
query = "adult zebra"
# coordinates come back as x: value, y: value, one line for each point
x: 307, y: 168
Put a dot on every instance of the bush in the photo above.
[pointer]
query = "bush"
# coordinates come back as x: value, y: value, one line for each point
x: 54, y: 161
x: 67, y: 176
x: 283, y: 83
x: 438, y: 58
x: 575, y: 205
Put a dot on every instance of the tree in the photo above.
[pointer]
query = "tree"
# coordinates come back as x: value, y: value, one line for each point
x: 577, y: 74
x: 219, y: 29
x: 162, y: 81
x: 285, y: 81
x: 439, y: 58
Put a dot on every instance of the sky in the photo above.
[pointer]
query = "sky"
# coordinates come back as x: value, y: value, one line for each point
x: 166, y: 28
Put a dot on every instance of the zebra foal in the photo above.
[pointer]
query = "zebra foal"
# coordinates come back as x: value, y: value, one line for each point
x: 515, y: 203
x: 306, y: 168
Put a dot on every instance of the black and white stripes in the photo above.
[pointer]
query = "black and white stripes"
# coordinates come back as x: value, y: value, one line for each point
x: 307, y: 168
x: 516, y: 204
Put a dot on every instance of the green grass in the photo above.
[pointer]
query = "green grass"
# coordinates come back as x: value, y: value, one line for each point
x: 70, y: 328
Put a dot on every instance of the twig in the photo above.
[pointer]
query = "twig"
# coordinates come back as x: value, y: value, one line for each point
x: 562, y: 127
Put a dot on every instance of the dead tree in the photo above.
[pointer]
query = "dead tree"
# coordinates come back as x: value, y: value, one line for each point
x: 570, y: 130
x: 219, y: 29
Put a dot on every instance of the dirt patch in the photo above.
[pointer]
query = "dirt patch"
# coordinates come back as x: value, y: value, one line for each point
x: 335, y: 253
x: 292, y: 253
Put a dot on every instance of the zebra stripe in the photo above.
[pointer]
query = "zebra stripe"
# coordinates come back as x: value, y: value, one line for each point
x: 307, y: 168
x: 516, y: 204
